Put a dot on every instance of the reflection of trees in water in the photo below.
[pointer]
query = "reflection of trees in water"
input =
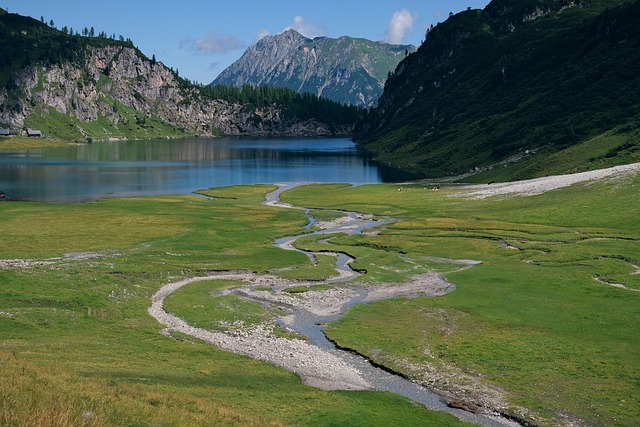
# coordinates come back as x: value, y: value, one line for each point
x: 130, y: 168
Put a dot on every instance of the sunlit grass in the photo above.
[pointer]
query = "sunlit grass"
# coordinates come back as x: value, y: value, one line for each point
x: 35, y: 395
x: 79, y: 347
x: 537, y: 318
x: 200, y: 306
x: 24, y: 143
x: 323, y: 269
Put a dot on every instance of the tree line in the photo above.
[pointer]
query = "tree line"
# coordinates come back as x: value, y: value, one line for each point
x: 303, y: 106
x: 86, y: 32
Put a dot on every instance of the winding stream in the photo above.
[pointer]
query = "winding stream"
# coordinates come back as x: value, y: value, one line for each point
x: 317, y: 360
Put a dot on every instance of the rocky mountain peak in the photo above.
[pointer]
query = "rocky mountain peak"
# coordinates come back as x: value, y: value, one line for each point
x: 347, y: 70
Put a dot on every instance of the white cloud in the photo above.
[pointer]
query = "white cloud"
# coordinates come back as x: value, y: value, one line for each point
x: 262, y: 34
x: 401, y: 22
x: 307, y: 29
x: 212, y: 43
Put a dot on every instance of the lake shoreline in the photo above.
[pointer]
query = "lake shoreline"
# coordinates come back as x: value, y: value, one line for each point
x: 89, y: 172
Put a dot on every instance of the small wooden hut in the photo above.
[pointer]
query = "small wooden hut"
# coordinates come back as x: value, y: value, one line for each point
x: 34, y: 133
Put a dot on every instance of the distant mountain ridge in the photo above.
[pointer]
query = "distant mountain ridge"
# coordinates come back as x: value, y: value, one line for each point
x: 521, y: 89
x: 347, y: 70
x: 79, y: 88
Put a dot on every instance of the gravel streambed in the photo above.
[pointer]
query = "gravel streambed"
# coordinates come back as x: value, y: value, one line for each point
x: 315, y: 359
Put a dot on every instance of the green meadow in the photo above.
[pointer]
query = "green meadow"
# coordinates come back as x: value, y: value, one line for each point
x: 77, y: 346
x: 24, y: 143
x: 538, y: 319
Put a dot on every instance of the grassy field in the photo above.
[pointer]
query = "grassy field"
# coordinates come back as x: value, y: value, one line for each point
x: 24, y: 143
x: 135, y: 125
x: 536, y: 319
x: 77, y: 346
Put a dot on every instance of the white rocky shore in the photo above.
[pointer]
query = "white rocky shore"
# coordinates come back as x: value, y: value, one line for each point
x: 541, y: 185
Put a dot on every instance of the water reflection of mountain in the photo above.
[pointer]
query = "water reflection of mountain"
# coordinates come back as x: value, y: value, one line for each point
x: 87, y: 172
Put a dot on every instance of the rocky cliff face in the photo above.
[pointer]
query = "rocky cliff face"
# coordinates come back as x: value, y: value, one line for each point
x: 507, y: 15
x: 113, y: 82
x: 346, y: 70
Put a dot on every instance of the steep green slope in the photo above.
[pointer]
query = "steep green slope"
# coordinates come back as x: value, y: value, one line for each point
x: 533, y: 87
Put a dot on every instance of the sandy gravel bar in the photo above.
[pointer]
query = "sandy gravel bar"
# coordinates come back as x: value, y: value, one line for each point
x: 317, y: 367
x: 540, y: 185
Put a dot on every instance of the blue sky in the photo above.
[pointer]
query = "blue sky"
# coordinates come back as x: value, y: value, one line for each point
x: 201, y: 38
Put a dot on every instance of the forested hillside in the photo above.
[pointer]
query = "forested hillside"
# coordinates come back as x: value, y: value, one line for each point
x: 303, y: 106
x: 27, y: 42
x: 519, y: 89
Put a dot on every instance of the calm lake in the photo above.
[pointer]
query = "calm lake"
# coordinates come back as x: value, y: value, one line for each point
x: 134, y: 168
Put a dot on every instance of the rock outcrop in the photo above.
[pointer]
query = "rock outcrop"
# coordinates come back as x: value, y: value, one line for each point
x: 113, y: 82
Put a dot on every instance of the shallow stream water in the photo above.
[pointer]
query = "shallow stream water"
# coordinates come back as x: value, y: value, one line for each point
x: 312, y: 326
x: 317, y: 360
